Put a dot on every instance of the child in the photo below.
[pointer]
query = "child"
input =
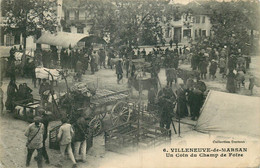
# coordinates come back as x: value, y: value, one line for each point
x: 251, y: 84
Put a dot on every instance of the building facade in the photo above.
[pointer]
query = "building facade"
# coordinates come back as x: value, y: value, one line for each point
x: 75, y: 18
x: 187, y: 28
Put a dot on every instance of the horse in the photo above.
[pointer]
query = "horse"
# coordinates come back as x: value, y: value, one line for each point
x: 186, y: 74
x: 146, y: 84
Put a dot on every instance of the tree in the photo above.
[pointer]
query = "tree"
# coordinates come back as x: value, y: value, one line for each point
x: 129, y: 23
x: 29, y: 17
x: 232, y: 21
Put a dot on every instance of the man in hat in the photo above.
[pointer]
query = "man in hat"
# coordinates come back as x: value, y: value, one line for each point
x: 182, y: 109
x: 195, y: 100
x: 222, y: 66
x: 45, y: 86
x: 203, y: 68
x: 65, y: 138
x: 119, y: 71
x: 45, y: 119
x: 34, y: 133
x: 166, y: 99
x: 81, y: 133
x: 213, y: 69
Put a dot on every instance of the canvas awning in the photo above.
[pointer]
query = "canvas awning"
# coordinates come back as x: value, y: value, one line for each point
x: 65, y: 39
x: 230, y: 113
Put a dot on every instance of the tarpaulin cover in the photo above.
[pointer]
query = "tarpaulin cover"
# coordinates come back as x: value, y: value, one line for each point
x: 42, y: 74
x: 65, y: 39
x: 230, y: 113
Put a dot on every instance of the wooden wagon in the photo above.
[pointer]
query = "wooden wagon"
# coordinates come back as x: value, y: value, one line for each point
x: 26, y: 111
x: 108, y: 102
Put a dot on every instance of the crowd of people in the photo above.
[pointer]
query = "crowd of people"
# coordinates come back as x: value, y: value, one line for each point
x: 205, y: 58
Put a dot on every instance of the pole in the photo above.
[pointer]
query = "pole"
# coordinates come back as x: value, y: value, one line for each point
x: 173, y: 127
x: 139, y: 108
x: 179, y: 130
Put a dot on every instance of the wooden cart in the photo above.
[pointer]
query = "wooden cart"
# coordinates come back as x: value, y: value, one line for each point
x: 26, y: 111
x: 107, y: 101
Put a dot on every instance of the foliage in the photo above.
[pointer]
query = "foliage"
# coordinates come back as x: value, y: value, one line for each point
x: 232, y: 21
x: 29, y: 17
x: 130, y: 23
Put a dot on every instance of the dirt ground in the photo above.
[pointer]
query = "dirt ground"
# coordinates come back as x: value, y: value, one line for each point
x: 12, y: 139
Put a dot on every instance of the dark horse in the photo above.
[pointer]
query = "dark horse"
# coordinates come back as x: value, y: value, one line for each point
x: 146, y: 84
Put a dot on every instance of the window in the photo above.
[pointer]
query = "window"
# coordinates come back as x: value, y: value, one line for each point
x: 82, y: 15
x: 203, y: 19
x: 17, y: 38
x: 66, y: 29
x: 187, y: 33
x: 196, y: 33
x: 72, y: 15
x: 199, y: 32
x: 76, y: 15
x: 67, y: 15
x: 80, y: 30
x: 197, y: 19
x: 204, y: 33
x: 193, y: 19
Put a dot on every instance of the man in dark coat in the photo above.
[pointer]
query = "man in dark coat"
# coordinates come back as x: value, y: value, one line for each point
x: 92, y: 64
x: 203, y: 68
x: 80, y: 129
x: 231, y: 82
x: 119, y: 71
x: 176, y: 61
x: 11, y: 66
x: 182, y: 109
x: 24, y: 93
x: 213, y: 69
x: 195, y: 100
x: 166, y: 99
x: 79, y: 70
x: 171, y: 41
x: 11, y: 95
x: 151, y: 98
x: 102, y: 58
x: 42, y: 91
x: 127, y: 66
x: 232, y: 63
x: 171, y: 74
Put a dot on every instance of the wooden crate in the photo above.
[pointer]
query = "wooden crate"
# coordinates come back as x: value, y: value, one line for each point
x: 127, y: 136
x: 53, y: 138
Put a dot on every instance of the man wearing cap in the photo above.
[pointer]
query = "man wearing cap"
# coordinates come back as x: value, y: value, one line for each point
x: 65, y: 137
x: 45, y: 119
x: 213, y: 69
x: 166, y: 99
x: 42, y: 91
x: 80, y: 129
x: 34, y: 133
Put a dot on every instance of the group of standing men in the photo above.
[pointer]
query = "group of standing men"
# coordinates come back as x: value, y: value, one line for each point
x: 77, y: 133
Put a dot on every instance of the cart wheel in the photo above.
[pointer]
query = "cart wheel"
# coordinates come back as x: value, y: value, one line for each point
x: 97, y: 126
x: 120, y: 113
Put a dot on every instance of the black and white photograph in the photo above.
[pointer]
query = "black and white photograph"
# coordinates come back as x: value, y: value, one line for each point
x: 130, y: 83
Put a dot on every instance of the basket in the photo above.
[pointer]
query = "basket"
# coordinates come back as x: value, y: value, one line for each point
x: 53, y: 138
